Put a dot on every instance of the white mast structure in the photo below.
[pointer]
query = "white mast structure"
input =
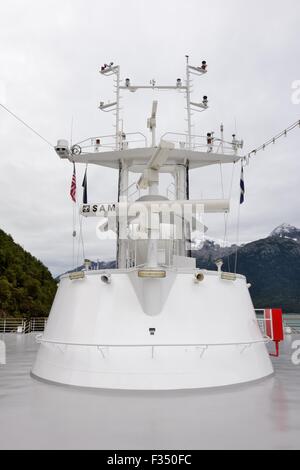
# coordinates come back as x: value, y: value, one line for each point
x: 157, y: 322
x: 181, y: 177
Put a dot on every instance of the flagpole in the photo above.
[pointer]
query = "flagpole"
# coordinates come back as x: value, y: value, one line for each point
x: 241, y: 201
x: 73, y: 190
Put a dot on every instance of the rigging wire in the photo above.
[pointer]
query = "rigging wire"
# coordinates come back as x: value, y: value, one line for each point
x: 273, y: 140
x: 26, y: 125
x: 246, y: 159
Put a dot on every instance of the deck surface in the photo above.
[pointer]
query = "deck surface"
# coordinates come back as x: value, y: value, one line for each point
x: 37, y: 415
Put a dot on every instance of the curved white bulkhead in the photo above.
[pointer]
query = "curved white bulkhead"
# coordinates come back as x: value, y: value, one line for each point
x: 205, y: 333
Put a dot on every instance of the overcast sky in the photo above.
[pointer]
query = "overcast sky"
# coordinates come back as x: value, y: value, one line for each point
x: 50, y: 54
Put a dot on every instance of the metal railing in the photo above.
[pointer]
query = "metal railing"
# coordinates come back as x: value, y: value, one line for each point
x: 108, y: 142
x: 133, y: 140
x: 22, y: 325
x: 199, y: 142
x: 291, y: 323
x: 105, y: 348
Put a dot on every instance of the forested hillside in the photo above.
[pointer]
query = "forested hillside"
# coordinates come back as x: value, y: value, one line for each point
x: 26, y: 286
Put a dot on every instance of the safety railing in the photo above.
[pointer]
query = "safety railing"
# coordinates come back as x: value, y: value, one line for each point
x: 133, y: 140
x: 291, y: 324
x: 108, y: 142
x: 202, y: 143
x: 22, y: 325
x: 104, y: 348
x: 263, y: 323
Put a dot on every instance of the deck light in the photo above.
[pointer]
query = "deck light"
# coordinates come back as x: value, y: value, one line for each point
x: 127, y: 82
x: 205, y: 100
x: 228, y: 277
x: 106, y: 278
x: 76, y: 276
x: 204, y: 65
x: 199, y: 277
x: 179, y: 83
x: 152, y: 274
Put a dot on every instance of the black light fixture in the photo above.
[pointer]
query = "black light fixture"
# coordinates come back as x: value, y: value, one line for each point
x: 179, y: 82
x: 204, y: 65
x: 152, y: 331
x: 127, y: 82
x: 205, y: 100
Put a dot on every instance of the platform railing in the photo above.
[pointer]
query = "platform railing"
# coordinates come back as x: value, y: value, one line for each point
x: 133, y: 140
x: 22, y: 325
x: 292, y: 324
x: 104, y: 349
x: 108, y: 142
x: 199, y: 142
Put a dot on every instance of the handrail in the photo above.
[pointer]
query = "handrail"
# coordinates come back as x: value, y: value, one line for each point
x: 39, y: 339
x: 91, y: 141
x: 11, y: 325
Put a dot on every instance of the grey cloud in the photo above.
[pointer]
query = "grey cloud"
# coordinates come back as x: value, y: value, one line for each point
x: 50, y: 53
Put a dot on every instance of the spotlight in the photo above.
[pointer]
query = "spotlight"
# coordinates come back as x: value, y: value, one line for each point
x: 106, y: 278
x: 205, y: 100
x: 179, y: 83
x: 204, y: 65
x: 127, y: 82
x: 199, y: 277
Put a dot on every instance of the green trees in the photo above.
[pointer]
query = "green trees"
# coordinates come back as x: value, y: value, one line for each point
x: 27, y: 288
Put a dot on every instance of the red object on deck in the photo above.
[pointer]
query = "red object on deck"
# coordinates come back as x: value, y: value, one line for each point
x: 274, y: 327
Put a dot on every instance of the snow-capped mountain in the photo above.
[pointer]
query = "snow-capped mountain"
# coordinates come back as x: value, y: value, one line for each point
x: 287, y: 231
x: 271, y: 265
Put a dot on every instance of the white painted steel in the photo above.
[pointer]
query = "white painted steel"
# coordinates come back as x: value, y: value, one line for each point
x: 201, y: 339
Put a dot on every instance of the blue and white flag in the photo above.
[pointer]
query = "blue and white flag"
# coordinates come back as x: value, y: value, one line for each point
x: 242, y: 186
x: 84, y: 185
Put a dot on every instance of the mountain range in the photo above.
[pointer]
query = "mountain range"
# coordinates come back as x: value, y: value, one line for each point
x: 271, y: 265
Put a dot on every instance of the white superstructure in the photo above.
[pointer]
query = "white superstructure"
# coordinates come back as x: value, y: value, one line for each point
x: 156, y: 322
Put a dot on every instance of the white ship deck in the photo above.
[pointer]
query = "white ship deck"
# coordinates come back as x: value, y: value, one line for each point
x: 38, y: 415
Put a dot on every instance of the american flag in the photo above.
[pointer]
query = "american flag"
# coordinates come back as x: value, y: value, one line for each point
x: 73, y: 185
